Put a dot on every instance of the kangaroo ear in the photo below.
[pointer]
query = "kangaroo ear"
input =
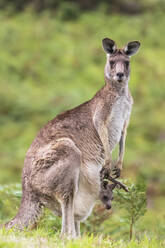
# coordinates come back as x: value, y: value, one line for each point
x: 109, y: 45
x: 105, y: 183
x: 131, y: 48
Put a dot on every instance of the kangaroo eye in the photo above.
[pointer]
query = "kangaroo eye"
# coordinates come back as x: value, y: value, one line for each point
x: 111, y: 63
x: 127, y: 63
x: 105, y: 198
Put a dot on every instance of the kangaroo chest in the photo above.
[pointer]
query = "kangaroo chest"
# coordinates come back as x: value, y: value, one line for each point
x: 119, y: 114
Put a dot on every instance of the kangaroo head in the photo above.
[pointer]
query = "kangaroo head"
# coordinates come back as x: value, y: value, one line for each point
x: 117, y: 66
x: 106, y: 195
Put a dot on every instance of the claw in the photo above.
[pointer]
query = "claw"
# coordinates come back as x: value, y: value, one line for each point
x: 116, y: 173
x: 105, y: 173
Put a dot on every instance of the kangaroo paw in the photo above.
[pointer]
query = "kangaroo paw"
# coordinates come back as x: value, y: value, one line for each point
x: 116, y: 172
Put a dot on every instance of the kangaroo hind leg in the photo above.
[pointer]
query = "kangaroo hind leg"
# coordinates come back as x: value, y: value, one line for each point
x: 68, y: 226
x: 59, y: 180
x: 66, y: 186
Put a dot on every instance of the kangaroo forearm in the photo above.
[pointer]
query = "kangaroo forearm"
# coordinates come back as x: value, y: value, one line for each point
x: 122, y: 146
x: 121, y: 149
x: 103, y: 133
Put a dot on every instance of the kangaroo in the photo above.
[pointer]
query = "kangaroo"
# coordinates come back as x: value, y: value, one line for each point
x: 62, y: 166
x: 106, y: 194
x: 106, y: 189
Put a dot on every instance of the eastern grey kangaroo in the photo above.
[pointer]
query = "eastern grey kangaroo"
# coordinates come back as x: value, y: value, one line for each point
x: 106, y: 195
x: 62, y: 166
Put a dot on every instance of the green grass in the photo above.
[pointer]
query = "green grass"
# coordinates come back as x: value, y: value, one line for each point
x: 39, y: 238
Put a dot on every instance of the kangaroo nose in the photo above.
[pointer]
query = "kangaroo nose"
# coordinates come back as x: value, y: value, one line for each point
x: 108, y: 206
x: 120, y: 74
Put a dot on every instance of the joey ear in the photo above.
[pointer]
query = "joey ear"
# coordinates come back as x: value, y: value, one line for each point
x: 105, y: 183
x: 131, y: 48
x: 109, y: 45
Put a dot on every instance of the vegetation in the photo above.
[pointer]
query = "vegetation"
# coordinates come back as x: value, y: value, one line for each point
x: 69, y: 7
x: 41, y: 238
x: 134, y: 203
x: 50, y: 63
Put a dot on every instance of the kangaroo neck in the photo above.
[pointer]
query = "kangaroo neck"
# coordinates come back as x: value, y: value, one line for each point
x: 121, y: 88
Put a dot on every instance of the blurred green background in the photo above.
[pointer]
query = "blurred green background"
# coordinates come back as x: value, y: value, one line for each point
x: 51, y: 60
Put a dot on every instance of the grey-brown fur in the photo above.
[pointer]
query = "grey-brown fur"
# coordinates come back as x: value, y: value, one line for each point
x: 62, y: 166
x: 106, y: 194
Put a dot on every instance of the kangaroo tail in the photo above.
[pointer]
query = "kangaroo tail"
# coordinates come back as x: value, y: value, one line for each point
x: 29, y: 212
